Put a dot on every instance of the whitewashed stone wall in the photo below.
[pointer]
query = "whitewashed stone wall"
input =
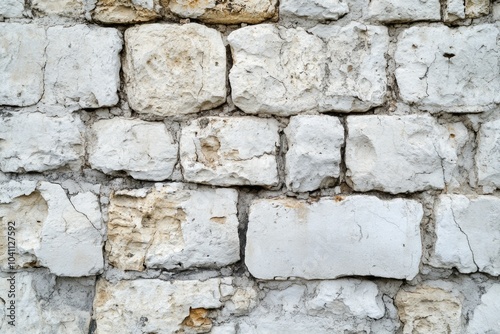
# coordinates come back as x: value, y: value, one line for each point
x: 249, y: 167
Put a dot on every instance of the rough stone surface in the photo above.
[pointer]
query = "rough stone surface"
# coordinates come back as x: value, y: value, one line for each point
x: 174, y: 69
x: 454, y: 10
x: 69, y: 8
x: 313, y: 157
x: 34, y: 142
x: 453, y: 70
x: 333, y: 237
x: 22, y: 48
x: 225, y: 12
x: 126, y: 11
x: 144, y: 150
x: 230, y: 151
x: 404, y: 11
x: 11, y: 8
x: 488, y: 155
x: 400, y: 154
x: 485, y: 318
x: 172, y: 227
x: 476, y: 8
x: 284, y: 72
x: 468, y: 233
x: 426, y: 309
x: 316, y: 10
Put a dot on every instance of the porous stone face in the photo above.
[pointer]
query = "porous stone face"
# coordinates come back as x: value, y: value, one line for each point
x: 426, y: 309
x: 284, y: 72
x: 11, y: 8
x: 230, y: 151
x: 476, y: 8
x: 174, y: 69
x: 69, y: 8
x: 316, y: 10
x: 126, y: 11
x: 452, y: 70
x: 144, y: 150
x: 404, y: 11
x: 468, y: 233
x: 485, y: 318
x: 22, y: 58
x: 173, y: 227
x: 488, y: 155
x: 34, y: 142
x: 155, y: 306
x: 454, y: 10
x: 333, y: 237
x: 313, y: 157
x: 400, y: 154
x: 225, y: 12
x: 53, y: 230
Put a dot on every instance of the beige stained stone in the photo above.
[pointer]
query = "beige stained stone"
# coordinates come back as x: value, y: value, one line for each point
x: 476, y: 8
x: 126, y: 11
x: 68, y: 8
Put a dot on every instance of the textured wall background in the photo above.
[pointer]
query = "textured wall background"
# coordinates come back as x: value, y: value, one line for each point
x: 218, y: 166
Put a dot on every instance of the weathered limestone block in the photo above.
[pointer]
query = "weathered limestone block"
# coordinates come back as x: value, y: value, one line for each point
x: 144, y: 150
x: 400, y: 154
x: 468, y: 9
x: 174, y: 69
x: 284, y: 72
x: 34, y: 142
x: 476, y: 8
x: 316, y: 10
x: 334, y: 237
x: 404, y: 11
x: 46, y: 303
x: 173, y: 227
x: 453, y: 70
x: 426, y: 310
x: 488, y: 155
x: 83, y: 66
x: 126, y: 11
x: 155, y: 306
x: 225, y: 12
x: 485, y: 318
x: 454, y: 10
x: 11, y: 8
x: 230, y: 151
x: 21, y: 63
x: 52, y: 230
x: 468, y: 233
x: 69, y: 8
x: 313, y: 157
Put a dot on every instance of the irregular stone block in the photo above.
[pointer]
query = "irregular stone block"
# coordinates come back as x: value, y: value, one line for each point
x: 476, y: 8
x: 334, y: 237
x: 174, y: 69
x: 230, y: 151
x: 22, y: 59
x: 284, y: 72
x: 454, y: 10
x: 452, y: 70
x: 173, y: 227
x: 429, y: 310
x: 34, y: 142
x: 404, y: 11
x: 485, y: 318
x: 488, y: 155
x: 468, y: 233
x: 52, y: 230
x: 11, y: 8
x: 144, y: 150
x: 141, y: 303
x: 316, y: 10
x: 400, y: 154
x: 126, y: 11
x: 69, y: 8
x: 313, y: 157
x: 83, y: 66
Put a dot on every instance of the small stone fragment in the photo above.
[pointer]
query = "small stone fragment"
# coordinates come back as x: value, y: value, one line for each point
x: 488, y: 155
x: 485, y: 318
x: 126, y: 11
x: 391, y: 11
x: 11, y: 8
x: 454, y: 10
x: 320, y: 10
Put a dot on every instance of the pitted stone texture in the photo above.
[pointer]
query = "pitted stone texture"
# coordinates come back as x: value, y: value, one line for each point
x: 284, y: 72
x: 225, y: 12
x: 173, y: 227
x: 452, y: 70
x: 488, y: 155
x: 404, y: 11
x: 320, y: 10
x: 454, y: 10
x: 426, y: 310
x: 155, y: 306
x: 22, y: 58
x: 174, y: 69
x: 334, y: 237
x: 468, y: 233
x: 46, y: 303
x: 485, y: 318
x: 144, y: 150
x: 83, y: 66
x: 230, y: 151
x: 53, y: 231
x: 126, y: 11
x: 313, y: 157
x: 11, y: 8
x: 68, y: 8
x: 476, y: 8
x: 34, y: 142
x: 400, y: 154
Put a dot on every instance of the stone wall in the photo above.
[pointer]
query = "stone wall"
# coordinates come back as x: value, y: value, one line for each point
x: 229, y: 166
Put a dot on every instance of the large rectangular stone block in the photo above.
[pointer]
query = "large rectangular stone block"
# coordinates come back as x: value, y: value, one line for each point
x: 390, y: 11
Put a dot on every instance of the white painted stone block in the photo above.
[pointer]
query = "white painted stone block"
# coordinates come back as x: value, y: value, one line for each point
x: 485, y: 318
x: 320, y: 10
x: 488, y: 155
x: 11, y: 8
x: 390, y: 11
